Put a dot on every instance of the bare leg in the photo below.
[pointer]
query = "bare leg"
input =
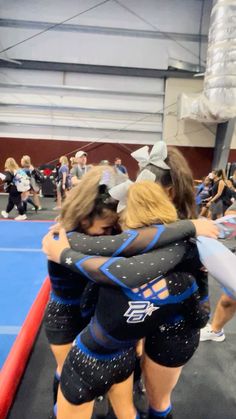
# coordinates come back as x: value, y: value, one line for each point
x: 121, y: 397
x: 66, y: 410
x: 225, y: 310
x: 60, y: 353
x: 160, y: 382
x: 36, y: 199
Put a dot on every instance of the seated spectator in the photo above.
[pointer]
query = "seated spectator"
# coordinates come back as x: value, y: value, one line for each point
x: 203, y: 195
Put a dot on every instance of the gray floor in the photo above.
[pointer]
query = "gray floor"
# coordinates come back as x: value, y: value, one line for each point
x: 206, y: 390
x: 47, y: 212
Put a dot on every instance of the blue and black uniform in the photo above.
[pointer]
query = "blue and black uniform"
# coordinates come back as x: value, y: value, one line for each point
x: 70, y: 308
x: 146, y: 295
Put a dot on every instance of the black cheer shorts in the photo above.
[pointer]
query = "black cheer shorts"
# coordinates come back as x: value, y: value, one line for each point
x: 172, y: 345
x: 85, y: 377
x: 63, y: 322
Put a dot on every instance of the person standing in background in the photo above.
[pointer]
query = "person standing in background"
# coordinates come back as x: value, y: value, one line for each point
x: 14, y: 197
x: 35, y: 187
x: 233, y: 180
x: 119, y: 166
x: 79, y: 168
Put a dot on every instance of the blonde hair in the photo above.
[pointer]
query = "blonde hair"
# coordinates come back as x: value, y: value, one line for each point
x: 147, y: 204
x: 11, y: 165
x: 83, y: 201
x: 26, y: 161
x: 64, y: 160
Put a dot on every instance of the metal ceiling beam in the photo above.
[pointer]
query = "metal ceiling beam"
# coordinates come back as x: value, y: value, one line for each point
x: 96, y: 69
x: 76, y: 109
x: 61, y: 90
x: 101, y: 30
x: 224, y: 136
x: 113, y: 130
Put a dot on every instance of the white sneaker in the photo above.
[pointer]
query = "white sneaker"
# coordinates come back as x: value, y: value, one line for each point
x: 208, y: 334
x: 5, y: 214
x: 21, y: 217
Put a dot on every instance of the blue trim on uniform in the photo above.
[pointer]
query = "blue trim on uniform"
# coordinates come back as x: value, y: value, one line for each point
x: 203, y: 299
x: 229, y: 293
x: 175, y: 319
x: 104, y: 357
x: 86, y: 313
x: 66, y: 301
x: 113, y: 278
x: 160, y: 230
x: 160, y: 413
x: 133, y: 235
x: 57, y: 375
x: 168, y: 300
x: 55, y: 409
x: 94, y: 321
x: 78, y: 265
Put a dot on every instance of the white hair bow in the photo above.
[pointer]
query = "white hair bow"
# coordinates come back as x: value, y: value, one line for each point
x: 120, y: 192
x: 156, y: 157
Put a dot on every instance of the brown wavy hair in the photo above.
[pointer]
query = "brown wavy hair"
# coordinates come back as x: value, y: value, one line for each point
x: 179, y: 180
x: 88, y: 200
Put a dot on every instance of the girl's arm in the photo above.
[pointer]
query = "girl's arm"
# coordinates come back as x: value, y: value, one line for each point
x: 119, y: 271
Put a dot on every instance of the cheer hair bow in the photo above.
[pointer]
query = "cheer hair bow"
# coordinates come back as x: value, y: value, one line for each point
x: 120, y: 192
x: 156, y: 156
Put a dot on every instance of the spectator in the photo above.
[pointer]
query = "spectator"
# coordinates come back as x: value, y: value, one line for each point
x: 63, y: 181
x: 233, y: 180
x: 14, y: 197
x: 119, y: 166
x: 203, y: 195
x: 80, y: 167
x: 221, y: 197
x: 35, y: 187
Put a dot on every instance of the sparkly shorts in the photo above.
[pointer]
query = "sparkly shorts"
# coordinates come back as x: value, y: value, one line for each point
x: 86, y: 376
x: 172, y: 345
x: 63, y: 322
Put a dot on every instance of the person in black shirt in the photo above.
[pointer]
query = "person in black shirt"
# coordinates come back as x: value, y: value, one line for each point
x: 14, y: 197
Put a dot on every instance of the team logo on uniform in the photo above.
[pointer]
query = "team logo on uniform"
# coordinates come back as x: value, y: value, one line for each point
x: 139, y: 310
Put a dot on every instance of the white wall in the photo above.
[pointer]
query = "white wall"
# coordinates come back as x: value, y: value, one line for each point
x: 56, y: 105
x: 86, y: 45
x: 184, y: 133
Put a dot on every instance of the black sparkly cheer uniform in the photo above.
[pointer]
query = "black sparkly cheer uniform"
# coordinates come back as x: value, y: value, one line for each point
x: 69, y: 308
x: 137, y: 298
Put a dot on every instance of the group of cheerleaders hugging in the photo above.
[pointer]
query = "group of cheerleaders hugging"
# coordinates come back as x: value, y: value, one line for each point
x: 121, y: 278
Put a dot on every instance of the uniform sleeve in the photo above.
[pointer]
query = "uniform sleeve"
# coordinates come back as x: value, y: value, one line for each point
x: 132, y: 242
x: 127, y: 272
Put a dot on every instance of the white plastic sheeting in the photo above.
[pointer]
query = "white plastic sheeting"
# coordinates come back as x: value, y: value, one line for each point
x: 217, y: 103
